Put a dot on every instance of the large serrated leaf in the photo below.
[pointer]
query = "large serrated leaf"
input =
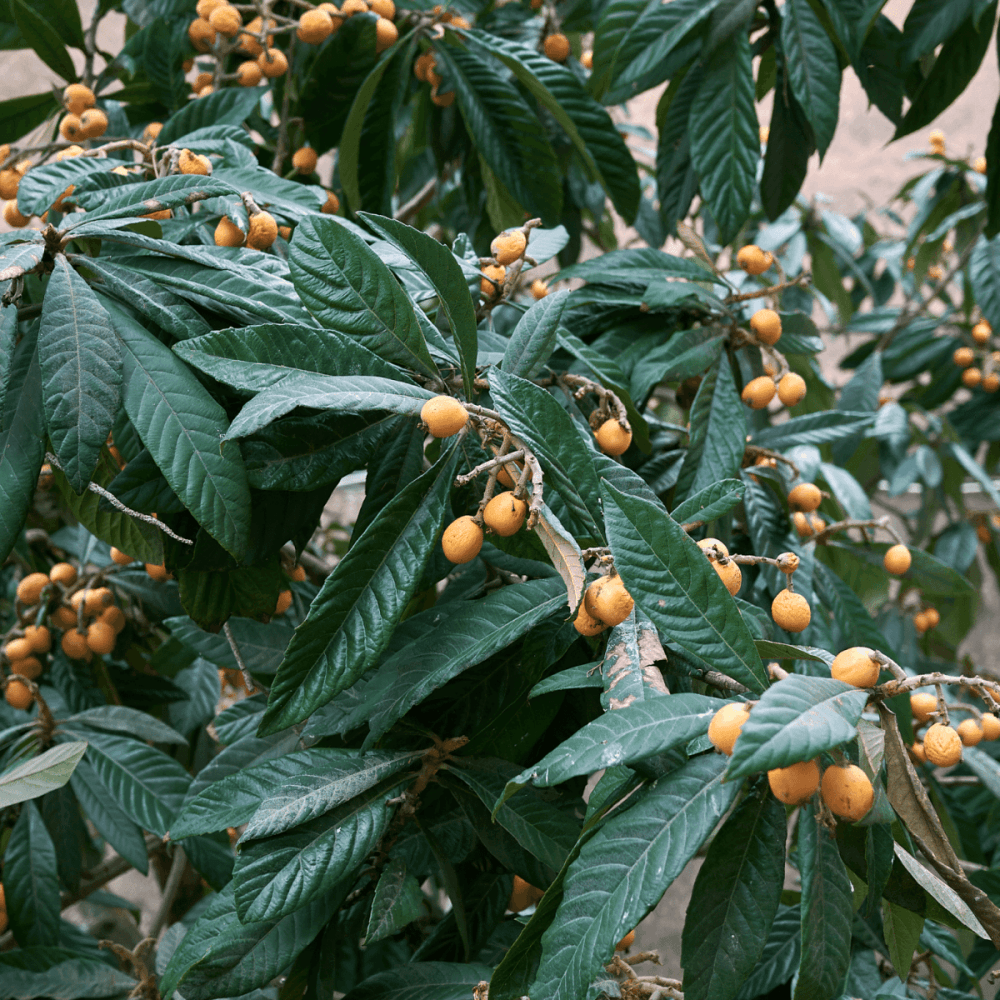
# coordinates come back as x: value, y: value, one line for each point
x: 725, y: 145
x: 229, y: 106
x: 533, y: 339
x: 420, y: 980
x: 348, y: 289
x: 131, y: 200
x: 671, y: 580
x: 624, y: 869
x: 81, y: 372
x: 796, y: 719
x: 42, y: 774
x: 790, y: 143
x: 31, y: 882
x: 184, y: 427
x: 713, y: 501
x: 44, y: 39
x: 353, y: 616
x: 439, y: 265
x: 734, y: 900
x: 629, y: 734
x: 628, y: 671
x: 464, y: 637
x: 813, y: 428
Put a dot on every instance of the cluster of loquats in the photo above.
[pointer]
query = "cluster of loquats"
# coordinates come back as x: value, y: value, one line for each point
x: 986, y: 374
x: 606, y: 603
x: 942, y: 743
x: 86, y: 615
x: 425, y: 70
x: 83, y: 119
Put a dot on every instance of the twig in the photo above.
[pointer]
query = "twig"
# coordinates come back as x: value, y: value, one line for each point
x: 900, y: 686
x: 801, y: 279
x: 426, y: 194
x: 118, y: 505
x: 247, y: 678
x: 177, y: 866
x: 879, y: 522
x: 510, y: 456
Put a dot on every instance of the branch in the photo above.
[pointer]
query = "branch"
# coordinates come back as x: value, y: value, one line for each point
x: 177, y: 866
x: 240, y: 662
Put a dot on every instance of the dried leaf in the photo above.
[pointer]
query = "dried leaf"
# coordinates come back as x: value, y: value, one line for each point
x: 693, y: 242
x: 564, y: 553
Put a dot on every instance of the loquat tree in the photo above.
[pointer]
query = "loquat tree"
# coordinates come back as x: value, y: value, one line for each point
x: 642, y: 571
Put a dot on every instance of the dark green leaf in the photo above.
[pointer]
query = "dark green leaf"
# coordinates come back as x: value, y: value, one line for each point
x: 81, y: 372
x: 70, y: 979
x: 813, y: 428
x: 423, y: 981
x: 813, y: 69
x: 41, y: 186
x: 734, y: 899
x: 397, y: 902
x: 624, y: 869
x: 229, y: 106
x: 796, y: 719
x: 183, y: 427
x: 20, y: 258
x: 674, y: 584
x: 826, y: 912
x: 348, y: 289
x: 533, y: 339
x: 21, y: 115
x: 685, y: 354
x: 44, y: 39
x: 105, y: 205
x: 121, y: 719
x: 359, y: 605
x: 984, y: 272
x: 780, y: 958
x: 31, y: 882
x: 711, y: 502
x: 448, y: 280
x: 725, y: 145
x: 901, y: 929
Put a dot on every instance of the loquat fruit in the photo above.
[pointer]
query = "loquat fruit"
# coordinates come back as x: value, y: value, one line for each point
x: 202, y: 34
x: 586, y: 624
x: 942, y: 745
x: 758, y: 392
x: 384, y: 8
x: 39, y: 638
x: 446, y: 101
x: 284, y: 602
x: 462, y: 540
x: 30, y: 667
x: 10, y: 180
x: 17, y: 649
x: 791, y: 389
x: 351, y: 7
x: 272, y: 62
x: 63, y: 617
x: 612, y: 438
x: 791, y: 611
x: 990, y: 383
x: 248, y: 74
x: 587, y: 59
x: 228, y: 234
x: 30, y: 588
x: 557, y: 47
x: 766, y: 323
x: 298, y: 574
x: 726, y: 725
x: 193, y: 163
x: 201, y: 81
x: 523, y: 895
x: 508, y: 247
x: 486, y: 286
x: 816, y: 523
x: 539, y: 289
x: 315, y: 26
x: 963, y: 357
x: 796, y: 783
x: 981, y: 332
x: 157, y: 573
x: 933, y: 617
x: 332, y: 204
x: 969, y: 732
x: 101, y: 638
x: 71, y: 128
x: 897, y: 560
x: 979, y: 164
x: 78, y: 98
x: 386, y: 34
x: 847, y: 791
x: 18, y: 695
x: 855, y: 666
x: 608, y: 600
x: 991, y: 727
x: 753, y: 260
x: 801, y: 524
x: 120, y: 558
x: 505, y: 514
x: 444, y: 416
x: 922, y: 705
x: 710, y: 543
x: 971, y: 377
x: 805, y: 497
x: 97, y: 600
x: 626, y: 942
x: 304, y: 159
x: 113, y: 616
x: 152, y: 132
x: 918, y: 751
x: 263, y: 231
x: 13, y: 217
x: 226, y: 20
x: 204, y: 8
x: 730, y: 574
x: 74, y: 644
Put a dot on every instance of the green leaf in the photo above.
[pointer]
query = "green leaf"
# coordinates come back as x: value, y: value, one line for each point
x: 109, y: 819
x: 21, y: 115
x: 41, y: 186
x: 31, y: 882
x: 136, y: 200
x: 71, y: 979
x: 928, y: 24
x: 784, y: 651
x: 439, y: 265
x: 901, y: 929
x: 713, y: 501
x: 640, y: 730
x: 628, y: 671
x: 20, y: 258
x: 261, y: 646
x: 725, y: 145
x: 45, y: 773
x: 790, y: 143
x: 796, y: 719
x: 423, y: 981
x: 827, y: 912
x: 735, y: 899
x: 813, y: 69
x: 589, y: 127
x: 780, y: 957
x: 466, y: 636
x: 349, y: 290
x: 147, y: 784
x: 624, y: 869
x: 505, y: 131
x: 616, y: 19
x: 534, y: 338
x: 718, y: 433
x: 397, y: 902
x: 22, y: 442
x: 229, y: 106
x: 44, y: 39
x: 687, y: 353
x: 353, y: 616
x: 81, y: 372
x: 279, y: 875
x: 812, y: 428
x: 122, y: 719
x: 539, y: 420
x: 220, y: 956
x: 254, y: 358
x: 984, y: 273
x: 313, y: 794
x: 671, y: 580
x: 184, y: 427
